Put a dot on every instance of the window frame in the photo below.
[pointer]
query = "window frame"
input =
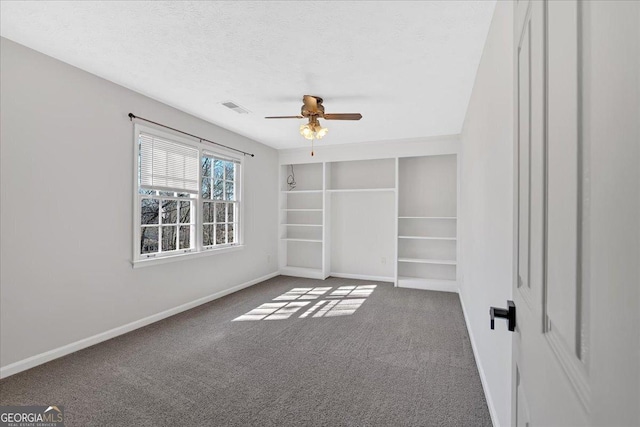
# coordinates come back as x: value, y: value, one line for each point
x: 198, y: 249
x: 236, y: 203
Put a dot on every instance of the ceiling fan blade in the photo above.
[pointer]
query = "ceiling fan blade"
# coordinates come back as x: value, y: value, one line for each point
x: 310, y: 103
x: 284, y: 117
x: 343, y: 116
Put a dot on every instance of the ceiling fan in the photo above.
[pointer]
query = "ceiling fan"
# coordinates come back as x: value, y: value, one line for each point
x: 313, y: 109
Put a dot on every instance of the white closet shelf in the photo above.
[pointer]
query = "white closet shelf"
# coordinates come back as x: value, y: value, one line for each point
x: 426, y: 279
x: 428, y: 261
x: 303, y: 225
x: 302, y: 210
x: 301, y: 191
x: 427, y: 238
x: 359, y: 190
x: 427, y: 217
x: 290, y: 239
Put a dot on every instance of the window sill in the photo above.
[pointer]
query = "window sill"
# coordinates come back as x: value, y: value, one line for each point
x: 182, y: 257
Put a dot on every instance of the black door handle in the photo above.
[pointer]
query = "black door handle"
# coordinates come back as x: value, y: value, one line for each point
x: 508, y: 313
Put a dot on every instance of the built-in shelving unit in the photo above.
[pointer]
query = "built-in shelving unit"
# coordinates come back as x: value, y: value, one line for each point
x: 385, y: 219
x: 427, y: 223
x: 302, y: 202
x: 362, y: 195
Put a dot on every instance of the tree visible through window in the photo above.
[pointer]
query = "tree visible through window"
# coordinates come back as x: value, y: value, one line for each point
x: 220, y: 220
x: 167, y: 221
x: 180, y: 208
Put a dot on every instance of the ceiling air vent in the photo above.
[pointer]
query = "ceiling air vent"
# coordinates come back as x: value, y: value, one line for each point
x: 235, y: 107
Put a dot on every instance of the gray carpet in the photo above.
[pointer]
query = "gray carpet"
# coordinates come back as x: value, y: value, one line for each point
x: 403, y: 358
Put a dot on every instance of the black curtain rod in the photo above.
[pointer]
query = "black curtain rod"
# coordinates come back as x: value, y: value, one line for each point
x: 133, y: 116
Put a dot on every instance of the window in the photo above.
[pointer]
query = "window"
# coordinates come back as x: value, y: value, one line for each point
x: 219, y: 201
x: 187, y: 197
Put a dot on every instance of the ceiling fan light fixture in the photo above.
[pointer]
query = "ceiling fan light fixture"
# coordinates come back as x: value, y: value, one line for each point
x: 313, y: 110
x: 306, y: 131
x: 322, y: 132
x: 313, y: 130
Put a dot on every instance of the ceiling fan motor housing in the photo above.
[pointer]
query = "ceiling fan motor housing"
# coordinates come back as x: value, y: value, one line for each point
x: 319, y: 111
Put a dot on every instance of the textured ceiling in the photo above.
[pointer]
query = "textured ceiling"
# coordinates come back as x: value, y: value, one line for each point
x: 408, y: 67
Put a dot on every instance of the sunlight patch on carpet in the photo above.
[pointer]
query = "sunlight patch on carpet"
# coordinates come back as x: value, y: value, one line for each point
x: 343, y: 301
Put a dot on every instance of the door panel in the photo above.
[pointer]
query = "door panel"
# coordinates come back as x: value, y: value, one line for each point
x: 524, y: 155
x: 548, y: 375
x: 576, y: 105
x: 562, y: 172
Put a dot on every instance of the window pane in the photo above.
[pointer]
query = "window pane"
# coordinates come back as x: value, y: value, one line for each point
x: 229, y: 169
x: 218, y: 169
x: 207, y: 214
x: 167, y: 193
x: 206, y: 166
x: 220, y: 233
x: 207, y: 235
x: 229, y: 191
x: 230, y: 210
x: 206, y: 188
x: 185, y: 236
x: 169, y: 238
x: 185, y: 212
x: 148, y: 240
x: 218, y: 189
x: 220, y: 212
x: 149, y: 211
x: 146, y: 192
x: 169, y: 212
x: 231, y: 233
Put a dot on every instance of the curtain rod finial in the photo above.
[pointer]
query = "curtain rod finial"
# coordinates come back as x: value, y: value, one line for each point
x: 131, y: 117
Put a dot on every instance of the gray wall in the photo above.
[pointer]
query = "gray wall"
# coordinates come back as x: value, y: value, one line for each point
x: 66, y: 209
x: 486, y: 211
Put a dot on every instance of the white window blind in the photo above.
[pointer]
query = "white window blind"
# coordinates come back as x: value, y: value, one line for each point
x: 168, y: 166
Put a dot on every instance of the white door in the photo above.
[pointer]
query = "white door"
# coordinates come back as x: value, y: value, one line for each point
x: 576, y: 162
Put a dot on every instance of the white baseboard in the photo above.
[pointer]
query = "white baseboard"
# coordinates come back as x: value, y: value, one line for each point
x: 362, y: 277
x: 39, y: 359
x: 428, y: 284
x: 307, y: 273
x: 483, y: 378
